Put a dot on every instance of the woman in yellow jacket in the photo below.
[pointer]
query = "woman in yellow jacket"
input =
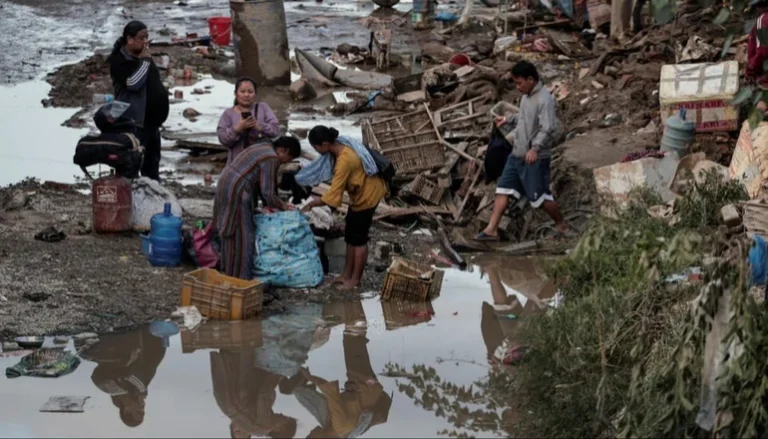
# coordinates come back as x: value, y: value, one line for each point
x: 365, y: 192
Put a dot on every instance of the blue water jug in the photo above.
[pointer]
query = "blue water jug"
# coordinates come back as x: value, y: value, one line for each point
x: 165, y: 239
x: 678, y: 134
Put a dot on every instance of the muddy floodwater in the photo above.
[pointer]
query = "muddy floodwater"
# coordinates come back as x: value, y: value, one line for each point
x: 313, y: 371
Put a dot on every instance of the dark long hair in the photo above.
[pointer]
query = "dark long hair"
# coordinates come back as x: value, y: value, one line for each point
x: 130, y: 30
x: 242, y: 79
x: 321, y: 134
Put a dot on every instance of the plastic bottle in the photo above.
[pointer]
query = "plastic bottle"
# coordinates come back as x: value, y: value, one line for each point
x: 165, y: 238
x: 99, y: 98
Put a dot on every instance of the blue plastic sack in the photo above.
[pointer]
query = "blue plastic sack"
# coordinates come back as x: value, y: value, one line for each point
x: 757, y: 260
x: 286, y: 253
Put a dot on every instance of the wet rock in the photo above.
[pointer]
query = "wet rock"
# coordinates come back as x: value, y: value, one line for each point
x: 198, y: 91
x: 83, y: 336
x: 301, y: 133
x: 191, y: 114
x: 61, y: 339
x: 436, y: 50
x: 344, y: 49
x: 47, y: 102
x: 92, y: 341
x: 382, y: 250
x: 641, y: 120
x: 36, y: 297
x: 302, y: 90
x: 10, y: 346
x: 611, y: 71
x: 610, y: 120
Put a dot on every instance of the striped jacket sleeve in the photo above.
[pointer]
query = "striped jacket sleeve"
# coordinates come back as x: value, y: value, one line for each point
x: 139, y: 77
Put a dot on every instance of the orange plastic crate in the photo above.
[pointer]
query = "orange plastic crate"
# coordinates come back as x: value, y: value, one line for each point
x: 235, y: 336
x: 218, y: 296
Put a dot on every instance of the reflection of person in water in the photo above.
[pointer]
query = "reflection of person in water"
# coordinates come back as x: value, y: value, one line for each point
x: 363, y: 403
x: 528, y: 286
x: 127, y: 362
x: 246, y: 393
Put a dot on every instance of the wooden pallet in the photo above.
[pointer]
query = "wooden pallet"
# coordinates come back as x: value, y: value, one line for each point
x: 463, y: 119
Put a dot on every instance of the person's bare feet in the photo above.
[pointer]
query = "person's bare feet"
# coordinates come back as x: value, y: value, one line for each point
x: 349, y: 285
x: 338, y: 280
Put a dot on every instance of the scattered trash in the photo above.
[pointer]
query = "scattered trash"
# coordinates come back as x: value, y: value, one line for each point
x: 36, y: 297
x: 30, y: 341
x: 10, y: 346
x: 190, y: 316
x: 46, y: 363
x: 510, y: 354
x: 758, y: 260
x: 64, y: 404
x: 164, y: 330
x: 51, y: 234
x: 691, y: 274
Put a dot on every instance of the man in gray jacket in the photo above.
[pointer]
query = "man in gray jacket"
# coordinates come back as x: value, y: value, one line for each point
x: 526, y: 172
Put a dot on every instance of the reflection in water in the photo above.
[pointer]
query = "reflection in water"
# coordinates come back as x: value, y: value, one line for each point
x: 246, y: 393
x: 282, y: 376
x: 362, y: 403
x: 246, y: 379
x: 518, y: 290
x: 127, y: 362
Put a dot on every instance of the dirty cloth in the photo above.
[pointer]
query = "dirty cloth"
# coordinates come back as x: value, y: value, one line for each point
x: 46, y: 363
x: 320, y: 170
x: 237, y: 142
x: 252, y: 172
x: 537, y: 125
x: 149, y: 198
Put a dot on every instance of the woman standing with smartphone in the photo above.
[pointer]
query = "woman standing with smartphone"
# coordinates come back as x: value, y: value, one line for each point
x: 247, y: 122
x: 137, y: 81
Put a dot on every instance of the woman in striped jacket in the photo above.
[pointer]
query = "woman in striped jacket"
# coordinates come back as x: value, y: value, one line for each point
x: 253, y: 172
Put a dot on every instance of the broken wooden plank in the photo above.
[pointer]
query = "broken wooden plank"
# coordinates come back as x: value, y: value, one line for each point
x: 468, y: 194
x: 406, y: 211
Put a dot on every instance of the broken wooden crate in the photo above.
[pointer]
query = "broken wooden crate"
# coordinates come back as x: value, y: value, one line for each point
x: 402, y: 313
x: 426, y: 189
x: 410, y: 141
x: 410, y: 280
x: 218, y: 296
x: 464, y: 119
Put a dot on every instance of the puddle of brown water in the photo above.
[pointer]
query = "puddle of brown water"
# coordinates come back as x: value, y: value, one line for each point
x: 312, y: 372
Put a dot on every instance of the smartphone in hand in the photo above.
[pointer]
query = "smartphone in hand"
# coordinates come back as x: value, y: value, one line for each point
x: 245, y: 114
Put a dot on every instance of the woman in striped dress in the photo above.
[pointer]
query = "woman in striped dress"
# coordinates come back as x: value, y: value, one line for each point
x: 252, y: 172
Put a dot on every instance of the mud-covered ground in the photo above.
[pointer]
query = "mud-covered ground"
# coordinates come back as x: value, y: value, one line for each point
x: 92, y: 282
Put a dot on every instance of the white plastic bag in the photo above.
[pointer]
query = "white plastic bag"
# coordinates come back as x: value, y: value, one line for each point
x: 149, y: 198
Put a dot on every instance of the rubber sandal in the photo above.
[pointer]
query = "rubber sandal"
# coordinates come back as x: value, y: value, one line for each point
x: 482, y: 236
x: 50, y: 235
x: 556, y: 235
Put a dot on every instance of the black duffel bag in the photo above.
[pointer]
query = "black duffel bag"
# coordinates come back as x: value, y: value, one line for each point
x: 121, y: 151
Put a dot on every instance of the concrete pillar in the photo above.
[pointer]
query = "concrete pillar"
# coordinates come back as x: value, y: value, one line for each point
x: 261, y: 41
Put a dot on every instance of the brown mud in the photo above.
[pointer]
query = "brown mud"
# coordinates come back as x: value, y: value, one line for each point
x: 99, y: 283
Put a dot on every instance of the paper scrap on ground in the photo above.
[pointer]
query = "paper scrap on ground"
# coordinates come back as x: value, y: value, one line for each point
x: 65, y: 404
